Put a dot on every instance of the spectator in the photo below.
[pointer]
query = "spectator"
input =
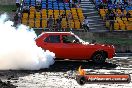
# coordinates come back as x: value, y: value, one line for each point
x: 66, y: 1
x: 128, y: 15
x: 107, y: 16
x: 38, y: 5
x: 109, y: 2
x: 125, y: 3
x: 16, y: 18
x: 85, y: 24
x: 70, y: 3
x: 77, y: 5
x: 117, y: 15
x: 38, y: 1
x: 122, y: 15
x: 50, y: 22
x: 101, y: 6
x: 78, y: 1
x: 112, y: 16
x: 63, y: 15
x: 18, y: 3
x: 122, y: 8
x: 104, y: 1
x: 69, y: 17
x: 73, y: 4
x: 25, y: 9
x: 58, y: 22
x: 111, y: 19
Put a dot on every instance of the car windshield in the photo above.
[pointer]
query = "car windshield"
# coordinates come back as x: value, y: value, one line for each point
x: 73, y: 39
x: 80, y: 40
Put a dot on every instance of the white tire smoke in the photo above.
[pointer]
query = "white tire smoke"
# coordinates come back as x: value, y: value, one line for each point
x: 18, y: 49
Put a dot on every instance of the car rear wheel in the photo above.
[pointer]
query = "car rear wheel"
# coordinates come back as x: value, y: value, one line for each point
x: 99, y: 58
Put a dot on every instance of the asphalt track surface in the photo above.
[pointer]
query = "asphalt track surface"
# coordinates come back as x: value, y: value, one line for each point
x: 62, y: 74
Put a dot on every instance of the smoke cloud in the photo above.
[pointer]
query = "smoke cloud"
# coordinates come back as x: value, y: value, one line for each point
x: 18, y: 49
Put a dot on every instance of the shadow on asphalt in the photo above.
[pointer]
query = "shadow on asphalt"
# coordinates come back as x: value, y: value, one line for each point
x: 58, y: 66
x: 63, y: 66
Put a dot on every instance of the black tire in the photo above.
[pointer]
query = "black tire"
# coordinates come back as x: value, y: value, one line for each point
x: 99, y: 58
x: 81, y: 80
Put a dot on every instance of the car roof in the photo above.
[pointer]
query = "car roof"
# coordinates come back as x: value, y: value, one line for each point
x: 56, y: 32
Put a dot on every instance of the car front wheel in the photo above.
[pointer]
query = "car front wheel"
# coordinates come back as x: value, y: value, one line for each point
x: 99, y: 58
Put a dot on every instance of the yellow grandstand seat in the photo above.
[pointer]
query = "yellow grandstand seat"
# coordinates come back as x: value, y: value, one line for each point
x: 31, y: 23
x: 102, y: 13
x: 122, y: 26
x: 81, y: 19
x: 25, y: 15
x: 61, y: 12
x: 80, y: 15
x: 118, y: 18
x: 44, y: 23
x: 38, y: 15
x: 37, y: 23
x: 124, y: 18
x: 56, y: 14
x: 124, y: 12
x: 71, y: 24
x: 129, y: 27
x: 64, y: 23
x: 56, y: 11
x: 107, y: 24
x: 116, y: 26
x: 31, y: 16
x: 130, y: 19
x: 79, y: 10
x: 75, y: 17
x: 77, y: 24
x: 73, y: 9
x: 119, y: 21
x: 106, y: 10
x: 50, y: 15
x: 32, y: 9
x: 74, y: 12
x: 44, y: 16
x: 50, y: 12
x: 126, y: 23
x: 130, y: 11
x: 24, y: 21
x: 118, y: 11
x: 44, y: 11
x: 67, y: 12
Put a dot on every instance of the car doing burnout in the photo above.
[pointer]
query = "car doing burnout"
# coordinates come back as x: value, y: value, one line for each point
x: 67, y: 45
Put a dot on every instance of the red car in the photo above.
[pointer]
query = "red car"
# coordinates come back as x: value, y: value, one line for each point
x: 67, y: 45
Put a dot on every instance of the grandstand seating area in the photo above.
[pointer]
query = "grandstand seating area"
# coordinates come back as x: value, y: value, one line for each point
x: 122, y: 21
x: 38, y: 18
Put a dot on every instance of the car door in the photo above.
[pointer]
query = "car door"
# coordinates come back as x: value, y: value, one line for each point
x: 73, y: 50
x: 53, y: 44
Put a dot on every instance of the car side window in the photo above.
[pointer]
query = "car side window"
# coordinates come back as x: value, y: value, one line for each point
x: 53, y: 39
x: 68, y: 38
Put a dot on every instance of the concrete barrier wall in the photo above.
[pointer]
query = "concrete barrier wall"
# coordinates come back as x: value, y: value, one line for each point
x: 7, y: 2
x: 121, y: 35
